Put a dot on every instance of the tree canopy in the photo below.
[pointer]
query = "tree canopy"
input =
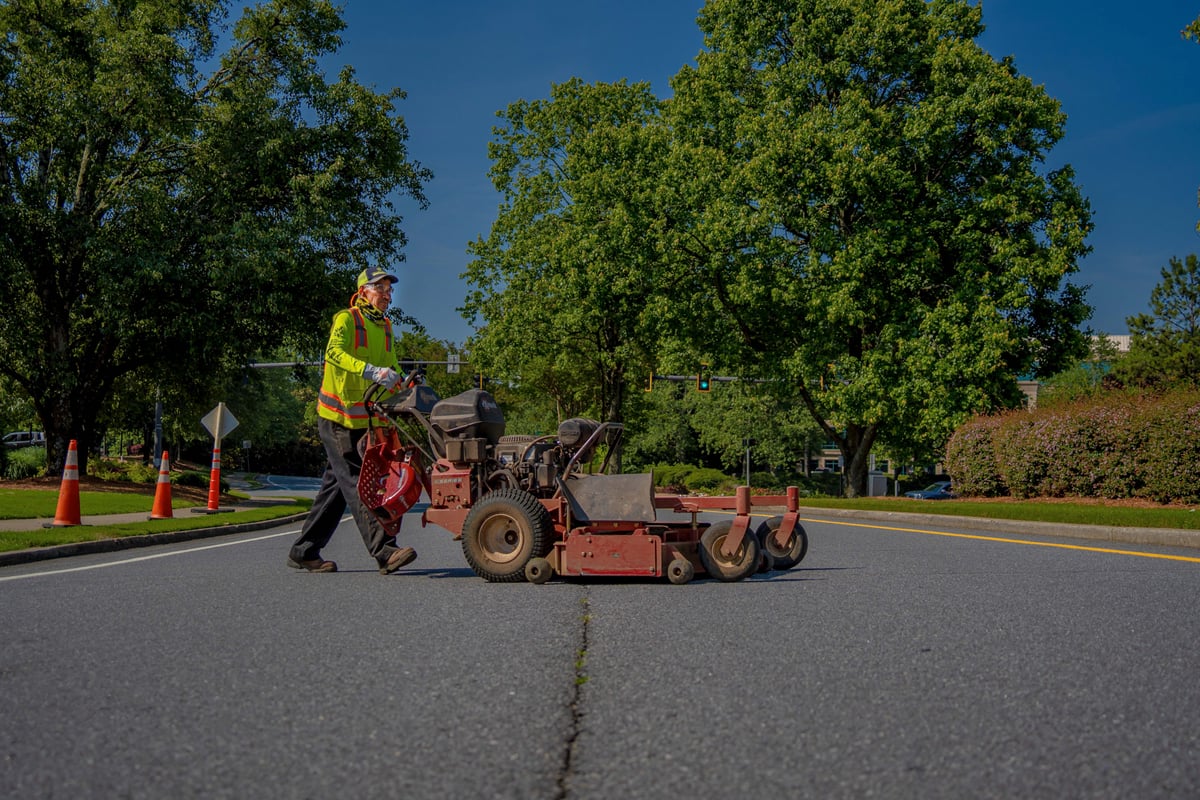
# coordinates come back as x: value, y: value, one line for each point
x: 1164, y: 346
x: 846, y: 197
x: 166, y: 211
x: 566, y: 282
x: 860, y: 198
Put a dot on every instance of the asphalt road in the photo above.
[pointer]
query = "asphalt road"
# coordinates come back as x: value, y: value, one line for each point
x: 891, y: 663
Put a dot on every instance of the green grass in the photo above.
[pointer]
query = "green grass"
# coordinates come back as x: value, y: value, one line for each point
x: 42, y: 504
x: 36, y: 503
x: 1066, y: 513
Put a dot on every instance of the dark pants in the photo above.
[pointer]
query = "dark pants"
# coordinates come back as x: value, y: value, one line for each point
x: 339, y: 490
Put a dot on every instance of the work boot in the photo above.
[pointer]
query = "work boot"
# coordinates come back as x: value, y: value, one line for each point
x: 313, y: 565
x: 405, y: 555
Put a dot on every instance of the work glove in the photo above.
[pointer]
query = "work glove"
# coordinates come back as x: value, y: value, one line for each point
x: 384, y: 376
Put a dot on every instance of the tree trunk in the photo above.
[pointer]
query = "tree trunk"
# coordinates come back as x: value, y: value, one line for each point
x: 69, y: 416
x: 856, y: 447
x: 615, y: 393
x: 854, y: 444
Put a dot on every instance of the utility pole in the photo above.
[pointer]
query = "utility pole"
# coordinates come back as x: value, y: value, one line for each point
x: 747, y: 442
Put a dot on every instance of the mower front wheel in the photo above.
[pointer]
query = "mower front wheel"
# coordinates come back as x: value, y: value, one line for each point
x: 784, y: 557
x: 538, y: 571
x: 728, y: 568
x: 503, y: 531
x: 680, y: 571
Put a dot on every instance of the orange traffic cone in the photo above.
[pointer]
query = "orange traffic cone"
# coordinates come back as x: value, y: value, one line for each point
x: 214, y: 480
x: 162, y: 490
x: 214, y: 485
x: 67, y: 512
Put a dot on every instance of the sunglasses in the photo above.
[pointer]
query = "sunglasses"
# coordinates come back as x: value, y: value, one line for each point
x: 381, y: 286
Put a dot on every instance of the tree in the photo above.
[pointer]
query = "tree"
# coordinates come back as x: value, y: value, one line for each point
x: 659, y: 427
x: 770, y: 414
x: 417, y: 348
x: 1164, y: 345
x: 858, y: 195
x: 566, y: 281
x: 1088, y: 379
x: 166, y: 213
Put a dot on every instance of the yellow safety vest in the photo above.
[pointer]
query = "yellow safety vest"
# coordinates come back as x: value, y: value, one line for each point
x: 354, y: 342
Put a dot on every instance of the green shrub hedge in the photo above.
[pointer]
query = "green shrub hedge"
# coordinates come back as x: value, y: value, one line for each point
x: 1117, y: 447
x: 684, y: 478
x: 116, y: 470
x: 971, y: 458
x: 197, y: 479
x: 24, y: 462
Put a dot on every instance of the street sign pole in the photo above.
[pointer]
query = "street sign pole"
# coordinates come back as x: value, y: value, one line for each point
x: 219, y: 422
x: 158, y: 432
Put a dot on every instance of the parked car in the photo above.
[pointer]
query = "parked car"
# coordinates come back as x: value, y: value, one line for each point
x: 942, y: 490
x: 18, y: 439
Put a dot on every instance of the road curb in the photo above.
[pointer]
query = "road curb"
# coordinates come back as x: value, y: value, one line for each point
x: 144, y: 540
x: 1160, y: 537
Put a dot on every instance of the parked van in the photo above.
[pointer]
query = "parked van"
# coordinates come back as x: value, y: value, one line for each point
x: 18, y: 439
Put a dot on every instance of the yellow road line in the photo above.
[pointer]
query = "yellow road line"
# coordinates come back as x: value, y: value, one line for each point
x: 1109, y: 550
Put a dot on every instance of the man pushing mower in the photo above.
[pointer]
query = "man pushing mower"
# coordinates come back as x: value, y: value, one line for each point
x: 360, y: 352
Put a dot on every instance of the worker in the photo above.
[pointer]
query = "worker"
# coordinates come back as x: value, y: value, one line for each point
x: 359, y: 353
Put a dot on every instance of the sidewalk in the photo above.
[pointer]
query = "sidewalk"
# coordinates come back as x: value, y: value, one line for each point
x: 142, y: 516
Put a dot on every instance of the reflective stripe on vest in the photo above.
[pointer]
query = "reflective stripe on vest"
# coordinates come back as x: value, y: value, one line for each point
x: 360, y: 330
x: 334, y: 404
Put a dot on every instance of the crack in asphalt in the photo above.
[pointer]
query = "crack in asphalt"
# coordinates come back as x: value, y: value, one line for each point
x: 581, y: 677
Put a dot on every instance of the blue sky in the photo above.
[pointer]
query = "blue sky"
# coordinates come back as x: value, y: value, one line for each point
x: 1128, y: 82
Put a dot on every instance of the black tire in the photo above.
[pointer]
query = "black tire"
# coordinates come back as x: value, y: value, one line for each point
x: 787, y: 557
x: 740, y: 565
x: 503, y: 532
x: 538, y: 570
x: 680, y: 571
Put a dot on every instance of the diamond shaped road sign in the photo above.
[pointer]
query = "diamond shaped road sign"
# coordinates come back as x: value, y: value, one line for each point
x: 219, y: 422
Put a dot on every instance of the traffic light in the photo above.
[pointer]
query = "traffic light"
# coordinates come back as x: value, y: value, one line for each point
x: 704, y: 379
x: 650, y: 383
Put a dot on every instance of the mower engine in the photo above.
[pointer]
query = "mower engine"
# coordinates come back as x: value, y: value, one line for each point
x: 472, y: 432
x: 474, y: 457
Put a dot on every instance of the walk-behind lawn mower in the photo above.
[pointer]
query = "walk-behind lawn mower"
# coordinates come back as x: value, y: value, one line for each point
x: 531, y: 507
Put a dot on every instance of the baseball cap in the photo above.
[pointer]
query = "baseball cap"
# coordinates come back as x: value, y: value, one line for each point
x: 374, y: 274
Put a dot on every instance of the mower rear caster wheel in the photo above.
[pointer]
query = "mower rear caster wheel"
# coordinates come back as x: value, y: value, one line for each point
x: 680, y: 571
x: 538, y: 570
x: 784, y: 557
x: 503, y: 531
x: 728, y: 568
